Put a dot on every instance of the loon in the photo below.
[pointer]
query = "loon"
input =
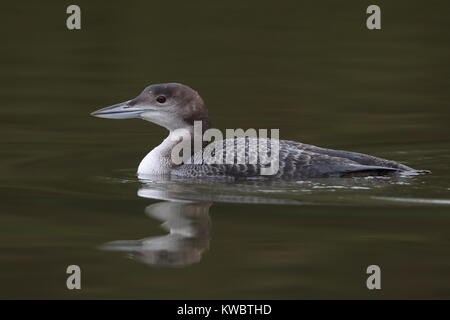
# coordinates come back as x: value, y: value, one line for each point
x: 176, y: 106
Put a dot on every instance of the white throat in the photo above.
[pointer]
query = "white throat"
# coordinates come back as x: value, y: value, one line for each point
x: 159, y: 160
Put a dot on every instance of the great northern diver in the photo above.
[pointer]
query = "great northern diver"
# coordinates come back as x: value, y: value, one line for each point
x: 176, y: 106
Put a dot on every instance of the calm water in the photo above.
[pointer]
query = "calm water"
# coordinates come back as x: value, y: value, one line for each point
x: 69, y: 194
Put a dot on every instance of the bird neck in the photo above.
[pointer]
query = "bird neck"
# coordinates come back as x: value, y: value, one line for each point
x: 159, y: 161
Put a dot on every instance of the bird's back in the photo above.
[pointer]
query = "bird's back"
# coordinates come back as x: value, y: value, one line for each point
x: 241, y: 158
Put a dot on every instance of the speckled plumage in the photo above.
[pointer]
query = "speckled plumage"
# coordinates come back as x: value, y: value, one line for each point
x: 296, y: 161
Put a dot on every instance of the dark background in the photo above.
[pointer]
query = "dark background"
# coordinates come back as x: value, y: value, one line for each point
x: 310, y: 68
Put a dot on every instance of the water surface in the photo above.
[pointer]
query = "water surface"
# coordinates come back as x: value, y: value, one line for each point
x: 70, y: 196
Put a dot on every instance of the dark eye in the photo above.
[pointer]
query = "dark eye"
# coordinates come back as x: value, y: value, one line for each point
x: 161, y: 99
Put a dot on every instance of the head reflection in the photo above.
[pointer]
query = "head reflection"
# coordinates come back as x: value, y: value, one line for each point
x: 188, y: 227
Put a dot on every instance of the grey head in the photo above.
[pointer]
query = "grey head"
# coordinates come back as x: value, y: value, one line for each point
x: 170, y: 105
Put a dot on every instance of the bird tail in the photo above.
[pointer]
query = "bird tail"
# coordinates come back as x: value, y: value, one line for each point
x: 379, y: 171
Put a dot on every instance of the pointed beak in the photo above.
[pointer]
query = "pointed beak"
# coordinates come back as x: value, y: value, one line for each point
x: 119, y: 111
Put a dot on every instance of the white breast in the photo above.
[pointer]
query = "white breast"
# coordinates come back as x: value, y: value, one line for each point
x: 159, y: 160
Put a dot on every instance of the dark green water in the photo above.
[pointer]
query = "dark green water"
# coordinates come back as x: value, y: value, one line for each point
x: 311, y: 69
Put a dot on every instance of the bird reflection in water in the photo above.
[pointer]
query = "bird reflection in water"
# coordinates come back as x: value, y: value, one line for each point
x: 188, y: 225
x: 184, y: 211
